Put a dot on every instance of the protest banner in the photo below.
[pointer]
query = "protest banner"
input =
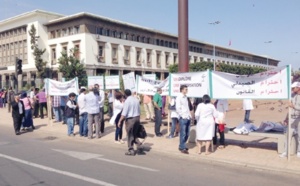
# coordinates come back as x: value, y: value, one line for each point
x: 92, y: 80
x: 112, y: 82
x: 149, y: 76
x: 129, y: 81
x: 272, y: 84
x: 148, y: 86
x: 197, y: 83
x: 57, y: 88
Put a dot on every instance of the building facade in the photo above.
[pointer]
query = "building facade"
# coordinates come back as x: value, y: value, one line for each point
x: 105, y: 46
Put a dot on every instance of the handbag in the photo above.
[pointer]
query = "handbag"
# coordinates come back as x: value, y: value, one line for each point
x: 140, y: 131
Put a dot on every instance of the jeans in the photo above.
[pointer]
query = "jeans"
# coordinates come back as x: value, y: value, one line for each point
x: 119, y: 131
x: 101, y: 120
x: 42, y: 106
x: 247, y: 116
x: 62, y: 111
x: 110, y: 109
x: 83, y: 124
x: 158, y: 120
x: 173, y: 127
x: 27, y: 121
x: 4, y: 102
x: 57, y: 113
x: 70, y: 122
x: 184, y: 132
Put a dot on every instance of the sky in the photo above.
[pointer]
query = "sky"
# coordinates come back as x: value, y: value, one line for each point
x: 264, y: 27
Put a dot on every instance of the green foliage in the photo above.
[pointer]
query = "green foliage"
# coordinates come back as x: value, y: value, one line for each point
x: 40, y: 64
x: 121, y: 83
x: 71, y: 67
x: 202, y: 66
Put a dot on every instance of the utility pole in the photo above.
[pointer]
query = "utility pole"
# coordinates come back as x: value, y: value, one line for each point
x: 183, y: 36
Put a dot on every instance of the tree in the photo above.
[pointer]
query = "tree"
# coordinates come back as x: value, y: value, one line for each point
x: 202, y: 66
x: 40, y: 64
x: 71, y: 67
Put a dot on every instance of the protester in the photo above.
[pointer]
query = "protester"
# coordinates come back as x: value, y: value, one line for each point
x: 247, y: 106
x: 63, y: 101
x: 131, y: 112
x: 174, y: 117
x: 83, y: 120
x: 70, y: 113
x: 36, y: 103
x: 18, y: 112
x: 56, y: 100
x: 110, y: 97
x: 183, y: 110
x: 157, y: 102
x: 147, y: 101
x: 31, y: 95
x: 93, y: 108
x: 101, y: 103
x: 10, y: 98
x: 221, y: 106
x: 117, y: 110
x: 205, y: 114
x: 4, y: 97
x: 41, y: 96
x: 27, y: 121
x: 164, y: 100
x: 295, y: 118
x: 1, y: 103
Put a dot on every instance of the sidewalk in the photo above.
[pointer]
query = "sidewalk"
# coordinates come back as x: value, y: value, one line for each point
x: 244, y: 151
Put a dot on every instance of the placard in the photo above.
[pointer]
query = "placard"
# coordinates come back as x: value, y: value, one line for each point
x: 57, y: 88
x: 129, y: 81
x: 112, y: 82
x: 92, y: 80
x: 149, y: 87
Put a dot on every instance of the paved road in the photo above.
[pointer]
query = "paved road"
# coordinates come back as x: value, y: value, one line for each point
x: 35, y: 159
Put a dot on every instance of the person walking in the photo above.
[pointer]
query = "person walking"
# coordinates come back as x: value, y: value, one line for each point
x: 147, y: 101
x: 131, y: 112
x: 63, y: 101
x: 205, y: 114
x: 174, y: 117
x: 101, y: 103
x: 10, y: 98
x: 4, y: 98
x: 247, y: 107
x: 70, y: 113
x: 36, y: 103
x: 221, y: 106
x: 56, y: 100
x: 93, y: 109
x: 42, y: 102
x: 183, y: 110
x: 110, y: 97
x: 28, y: 121
x: 117, y: 110
x: 83, y: 119
x: 18, y: 112
x: 157, y: 102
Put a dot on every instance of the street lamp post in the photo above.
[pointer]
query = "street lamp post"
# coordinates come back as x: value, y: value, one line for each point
x: 268, y: 42
x: 214, y: 52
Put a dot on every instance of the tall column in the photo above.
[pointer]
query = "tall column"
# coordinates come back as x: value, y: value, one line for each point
x: 20, y: 82
x: 59, y: 76
x: 183, y: 41
x: 162, y: 76
x: 29, y: 78
x: 107, y: 72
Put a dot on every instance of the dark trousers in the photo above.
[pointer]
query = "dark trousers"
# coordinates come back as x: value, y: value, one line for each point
x: 119, y: 132
x: 101, y: 120
x: 36, y: 109
x: 158, y: 120
x: 42, y: 106
x: 17, y: 123
x: 222, y: 136
x: 130, y: 124
x: 110, y: 109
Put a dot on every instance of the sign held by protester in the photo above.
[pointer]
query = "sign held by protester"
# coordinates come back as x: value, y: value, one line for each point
x: 112, y: 82
x: 148, y: 86
x: 272, y: 84
x: 197, y: 83
x: 57, y: 88
x: 92, y: 80
x: 129, y: 81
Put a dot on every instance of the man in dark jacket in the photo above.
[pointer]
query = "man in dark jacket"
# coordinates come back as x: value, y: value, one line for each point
x: 18, y: 112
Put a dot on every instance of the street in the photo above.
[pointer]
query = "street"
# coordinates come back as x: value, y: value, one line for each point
x: 34, y: 158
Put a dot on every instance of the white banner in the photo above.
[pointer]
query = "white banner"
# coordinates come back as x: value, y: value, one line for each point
x: 112, y: 82
x: 150, y: 76
x: 197, y: 83
x: 148, y: 86
x: 57, y: 88
x: 272, y: 84
x: 129, y: 81
x: 92, y: 80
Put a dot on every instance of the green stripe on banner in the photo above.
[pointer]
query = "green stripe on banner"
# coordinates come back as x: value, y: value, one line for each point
x: 210, y: 84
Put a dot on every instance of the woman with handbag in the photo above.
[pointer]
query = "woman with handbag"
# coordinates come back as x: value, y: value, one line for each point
x: 27, y: 121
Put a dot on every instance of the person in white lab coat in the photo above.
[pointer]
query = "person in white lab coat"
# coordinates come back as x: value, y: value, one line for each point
x: 205, y: 114
x: 247, y: 107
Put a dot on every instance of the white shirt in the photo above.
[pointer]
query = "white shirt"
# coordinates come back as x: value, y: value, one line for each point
x: 247, y: 104
x: 102, y: 98
x: 31, y: 95
x: 118, y: 106
x: 182, y: 107
x: 92, y: 103
x: 82, y: 103
x: 222, y: 105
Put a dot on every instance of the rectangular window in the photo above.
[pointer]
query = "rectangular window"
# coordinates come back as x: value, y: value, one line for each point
x: 175, y: 59
x: 148, y: 57
x: 58, y: 33
x: 126, y: 54
x: 167, y: 59
x: 77, y: 49
x: 138, y: 56
x: 158, y: 59
x: 100, y: 51
x: 64, y: 32
x: 65, y: 49
x: 52, y: 34
x: 53, y: 56
x: 76, y: 29
x: 114, y: 53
